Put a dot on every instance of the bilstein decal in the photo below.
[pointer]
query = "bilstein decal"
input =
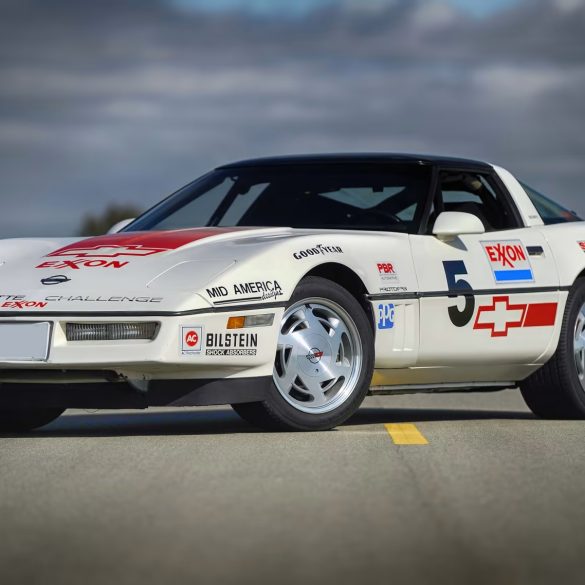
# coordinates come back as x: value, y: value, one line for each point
x: 231, y: 344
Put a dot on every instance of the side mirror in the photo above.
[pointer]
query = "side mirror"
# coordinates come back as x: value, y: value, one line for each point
x: 120, y: 225
x: 451, y: 224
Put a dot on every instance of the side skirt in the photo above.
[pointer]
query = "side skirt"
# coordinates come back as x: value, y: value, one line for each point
x: 438, y: 388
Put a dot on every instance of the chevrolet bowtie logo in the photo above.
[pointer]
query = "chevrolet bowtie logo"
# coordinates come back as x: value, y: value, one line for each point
x: 59, y: 279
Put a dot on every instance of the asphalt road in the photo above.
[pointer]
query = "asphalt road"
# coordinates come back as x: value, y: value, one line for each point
x: 198, y: 496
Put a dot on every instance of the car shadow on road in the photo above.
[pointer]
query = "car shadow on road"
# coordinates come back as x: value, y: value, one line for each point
x: 227, y: 422
x: 371, y: 416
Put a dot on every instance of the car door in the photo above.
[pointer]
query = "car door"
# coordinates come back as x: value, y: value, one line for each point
x: 491, y: 298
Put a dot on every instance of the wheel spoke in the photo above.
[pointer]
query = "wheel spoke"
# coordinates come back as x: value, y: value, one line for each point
x: 315, y: 390
x: 289, y: 373
x: 314, y: 323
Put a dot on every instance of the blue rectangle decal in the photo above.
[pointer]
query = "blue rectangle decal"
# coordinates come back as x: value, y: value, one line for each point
x: 514, y: 275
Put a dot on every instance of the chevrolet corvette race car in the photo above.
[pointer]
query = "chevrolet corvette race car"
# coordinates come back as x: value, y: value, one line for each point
x: 292, y: 287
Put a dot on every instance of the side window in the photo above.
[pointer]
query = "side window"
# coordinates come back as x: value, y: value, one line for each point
x: 474, y: 193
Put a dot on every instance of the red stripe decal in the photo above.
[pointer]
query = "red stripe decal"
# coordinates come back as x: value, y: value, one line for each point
x: 138, y: 243
x: 541, y: 315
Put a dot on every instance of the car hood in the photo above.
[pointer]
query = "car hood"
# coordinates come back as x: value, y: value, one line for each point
x: 154, y: 267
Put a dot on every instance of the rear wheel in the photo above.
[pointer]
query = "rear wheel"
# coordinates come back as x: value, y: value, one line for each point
x: 323, y: 364
x: 22, y: 420
x: 557, y: 390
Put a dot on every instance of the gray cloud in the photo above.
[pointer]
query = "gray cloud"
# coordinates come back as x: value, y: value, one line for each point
x: 127, y: 100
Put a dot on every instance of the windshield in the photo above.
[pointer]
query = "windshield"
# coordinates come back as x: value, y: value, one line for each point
x: 365, y: 197
x: 549, y: 211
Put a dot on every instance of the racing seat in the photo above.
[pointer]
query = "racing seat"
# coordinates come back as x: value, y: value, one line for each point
x: 474, y: 209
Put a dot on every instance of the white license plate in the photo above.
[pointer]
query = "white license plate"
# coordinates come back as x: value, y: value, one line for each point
x: 24, y: 342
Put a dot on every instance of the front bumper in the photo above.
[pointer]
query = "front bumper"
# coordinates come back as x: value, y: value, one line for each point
x: 219, y: 352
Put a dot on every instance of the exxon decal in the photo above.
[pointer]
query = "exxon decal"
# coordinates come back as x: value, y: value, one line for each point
x: 509, y: 261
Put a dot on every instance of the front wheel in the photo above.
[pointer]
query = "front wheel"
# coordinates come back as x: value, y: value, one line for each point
x: 557, y: 390
x: 324, y: 361
x: 21, y: 420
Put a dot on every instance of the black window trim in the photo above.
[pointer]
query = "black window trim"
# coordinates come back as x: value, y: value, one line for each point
x: 493, y: 180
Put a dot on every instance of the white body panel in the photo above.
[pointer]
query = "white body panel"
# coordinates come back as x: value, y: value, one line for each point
x: 202, y: 277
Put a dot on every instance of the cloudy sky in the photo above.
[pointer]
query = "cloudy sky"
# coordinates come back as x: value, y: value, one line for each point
x: 126, y: 100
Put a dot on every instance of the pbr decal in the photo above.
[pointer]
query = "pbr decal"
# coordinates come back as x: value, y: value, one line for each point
x: 509, y: 261
x: 386, y: 316
x: 191, y: 340
x: 231, y: 344
x: 387, y: 271
x: 503, y: 315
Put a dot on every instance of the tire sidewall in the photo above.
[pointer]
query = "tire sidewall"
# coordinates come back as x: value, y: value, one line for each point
x: 568, y: 369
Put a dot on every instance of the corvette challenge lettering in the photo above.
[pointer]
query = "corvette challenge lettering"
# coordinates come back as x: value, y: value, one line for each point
x: 502, y: 315
x: 509, y: 261
x: 231, y: 344
x: 316, y: 251
x: 100, y: 299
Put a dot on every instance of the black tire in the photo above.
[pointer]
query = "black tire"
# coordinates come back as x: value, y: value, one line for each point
x: 276, y: 413
x: 22, y: 420
x: 555, y: 391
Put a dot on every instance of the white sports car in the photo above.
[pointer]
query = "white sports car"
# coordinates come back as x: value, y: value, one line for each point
x: 292, y: 287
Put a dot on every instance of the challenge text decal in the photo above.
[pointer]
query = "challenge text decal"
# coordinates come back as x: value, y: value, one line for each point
x: 509, y: 261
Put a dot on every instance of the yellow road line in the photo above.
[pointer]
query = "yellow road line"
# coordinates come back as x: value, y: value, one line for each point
x: 405, y: 434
